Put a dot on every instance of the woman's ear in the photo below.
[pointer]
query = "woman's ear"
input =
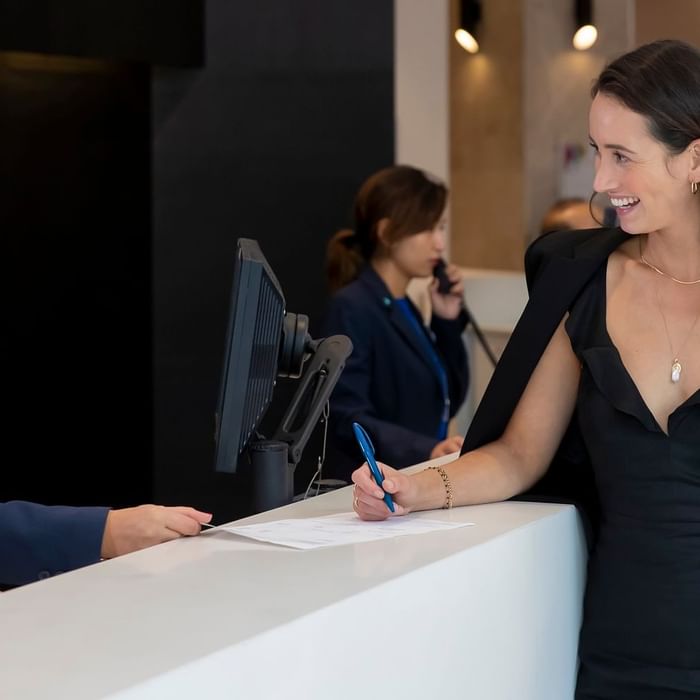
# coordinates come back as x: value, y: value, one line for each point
x: 694, y: 150
x: 383, y: 242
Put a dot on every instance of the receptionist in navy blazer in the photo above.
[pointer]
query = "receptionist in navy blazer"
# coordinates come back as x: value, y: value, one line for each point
x: 403, y: 381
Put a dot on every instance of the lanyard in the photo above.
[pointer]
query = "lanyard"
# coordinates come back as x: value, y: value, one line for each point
x: 428, y: 346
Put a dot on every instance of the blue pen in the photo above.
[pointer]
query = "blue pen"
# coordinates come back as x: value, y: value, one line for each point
x: 368, y: 451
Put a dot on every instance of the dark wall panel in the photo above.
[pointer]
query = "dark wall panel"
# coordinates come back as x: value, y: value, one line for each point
x: 269, y: 141
x: 75, y: 223
x: 166, y: 32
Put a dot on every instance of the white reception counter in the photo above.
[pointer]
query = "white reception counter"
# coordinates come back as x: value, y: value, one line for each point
x: 489, y: 612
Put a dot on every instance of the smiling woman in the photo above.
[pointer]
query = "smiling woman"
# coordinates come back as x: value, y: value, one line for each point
x: 606, y: 357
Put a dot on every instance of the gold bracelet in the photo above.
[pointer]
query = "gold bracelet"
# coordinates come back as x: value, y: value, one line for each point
x: 446, y: 483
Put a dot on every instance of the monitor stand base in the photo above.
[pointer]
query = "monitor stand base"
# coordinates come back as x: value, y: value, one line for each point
x: 273, y: 475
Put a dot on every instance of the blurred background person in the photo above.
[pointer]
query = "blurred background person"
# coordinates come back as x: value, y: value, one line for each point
x: 404, y: 380
x: 572, y: 213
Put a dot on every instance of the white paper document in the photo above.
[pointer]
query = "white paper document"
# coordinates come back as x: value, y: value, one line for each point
x: 343, y: 528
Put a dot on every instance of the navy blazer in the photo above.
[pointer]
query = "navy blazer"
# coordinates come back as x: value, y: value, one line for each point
x: 39, y: 541
x: 389, y: 384
x: 557, y: 266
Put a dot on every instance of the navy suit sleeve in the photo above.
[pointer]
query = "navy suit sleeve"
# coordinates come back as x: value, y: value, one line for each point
x: 352, y: 396
x: 39, y: 541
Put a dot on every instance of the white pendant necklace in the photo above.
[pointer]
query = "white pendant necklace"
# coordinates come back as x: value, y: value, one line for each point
x: 676, y: 369
x: 676, y: 366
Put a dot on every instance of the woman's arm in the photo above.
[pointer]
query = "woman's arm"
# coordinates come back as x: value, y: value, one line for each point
x: 500, y: 469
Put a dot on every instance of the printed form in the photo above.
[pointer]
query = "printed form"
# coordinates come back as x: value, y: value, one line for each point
x: 342, y: 528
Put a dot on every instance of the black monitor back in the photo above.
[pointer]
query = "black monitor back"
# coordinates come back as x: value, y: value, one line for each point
x: 251, y: 356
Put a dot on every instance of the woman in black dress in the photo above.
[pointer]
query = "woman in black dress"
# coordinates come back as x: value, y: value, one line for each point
x: 624, y: 360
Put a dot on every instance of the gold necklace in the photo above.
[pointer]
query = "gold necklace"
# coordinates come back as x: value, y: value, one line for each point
x: 661, y: 272
x: 676, y: 366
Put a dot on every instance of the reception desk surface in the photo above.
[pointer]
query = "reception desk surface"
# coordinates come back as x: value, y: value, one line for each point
x: 487, y: 612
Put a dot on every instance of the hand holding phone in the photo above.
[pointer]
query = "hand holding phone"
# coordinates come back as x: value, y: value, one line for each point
x: 440, y: 274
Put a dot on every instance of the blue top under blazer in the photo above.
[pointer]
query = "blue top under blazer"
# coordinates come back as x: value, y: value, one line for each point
x: 389, y: 385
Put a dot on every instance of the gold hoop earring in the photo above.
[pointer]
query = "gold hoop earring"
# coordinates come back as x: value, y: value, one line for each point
x: 693, y: 188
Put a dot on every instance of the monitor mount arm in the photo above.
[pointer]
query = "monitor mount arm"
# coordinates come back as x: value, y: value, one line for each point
x: 319, y: 364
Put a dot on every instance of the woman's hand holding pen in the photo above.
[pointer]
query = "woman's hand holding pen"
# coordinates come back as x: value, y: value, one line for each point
x: 448, y: 305
x: 368, y: 498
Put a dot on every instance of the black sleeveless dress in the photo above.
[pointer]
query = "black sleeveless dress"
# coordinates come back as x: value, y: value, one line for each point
x: 640, y: 638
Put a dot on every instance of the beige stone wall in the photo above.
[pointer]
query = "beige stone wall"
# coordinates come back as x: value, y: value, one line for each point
x: 512, y: 108
x: 670, y: 19
x: 557, y: 82
x: 486, y: 142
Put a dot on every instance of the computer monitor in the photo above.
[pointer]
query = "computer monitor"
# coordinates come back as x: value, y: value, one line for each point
x: 263, y: 342
x: 253, y: 336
